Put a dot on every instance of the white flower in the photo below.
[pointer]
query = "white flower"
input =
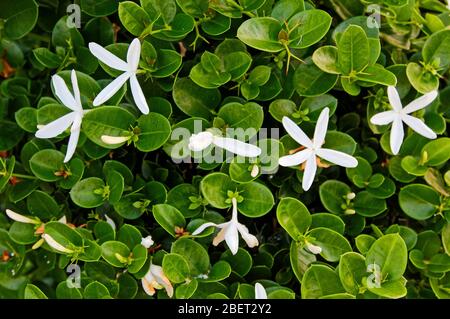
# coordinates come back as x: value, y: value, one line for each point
x: 156, y: 279
x: 260, y: 292
x: 313, y: 248
x: 21, y: 218
x: 313, y: 148
x: 199, y: 142
x: 55, y: 245
x: 400, y: 114
x: 147, y: 242
x: 73, y: 119
x: 129, y: 68
x: 230, y: 232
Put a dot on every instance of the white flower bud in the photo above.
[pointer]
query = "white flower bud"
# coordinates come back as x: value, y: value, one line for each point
x: 314, y: 248
x: 20, y: 218
x: 55, y: 245
x: 114, y: 139
x: 147, y: 242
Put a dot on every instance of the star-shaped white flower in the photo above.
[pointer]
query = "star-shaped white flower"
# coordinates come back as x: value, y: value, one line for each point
x: 199, y: 142
x: 230, y: 232
x: 72, y: 119
x: 400, y: 114
x: 312, y: 149
x: 156, y: 279
x: 260, y: 292
x: 129, y: 68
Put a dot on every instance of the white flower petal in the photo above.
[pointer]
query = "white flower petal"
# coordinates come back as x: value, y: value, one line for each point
x: 200, y: 229
x: 148, y: 287
x: 220, y: 237
x: 134, y: 54
x: 419, y: 126
x: 199, y: 142
x: 383, y: 118
x: 237, y: 147
x: 295, y: 159
x: 138, y: 95
x: 321, y: 128
x: 232, y: 238
x: 55, y: 245
x: 336, y: 157
x: 111, y: 89
x: 63, y: 93
x: 73, y: 140
x: 110, y: 222
x: 147, y: 242
x: 107, y: 57
x: 394, y: 98
x: 56, y: 127
x: 421, y: 102
x: 114, y: 139
x: 76, y: 91
x: 63, y: 220
x: 397, y: 135
x: 250, y: 239
x: 314, y: 248
x: 296, y: 132
x: 161, y: 279
x: 309, y: 173
x: 20, y: 218
x: 260, y: 292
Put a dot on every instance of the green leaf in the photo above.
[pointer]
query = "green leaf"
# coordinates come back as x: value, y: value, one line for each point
x: 85, y: 192
x: 353, y: 50
x: 436, y: 49
x: 320, y: 281
x: 421, y: 79
x: 194, y: 253
x: 438, y: 151
x: 133, y: 17
x: 377, y: 74
x: 419, y: 201
x: 309, y: 80
x: 194, y: 100
x: 390, y: 254
x: 106, y: 120
x: 97, y: 8
x: 367, y: 205
x: 168, y: 217
x: 176, y: 268
x: 111, y: 250
x: 33, y: 292
x: 64, y: 291
x: 261, y: 33
x: 45, y: 163
x: 155, y: 131
x: 293, y: 216
x: 96, y: 290
x: 20, y: 17
x: 194, y: 8
x: 332, y: 195
x: 326, y: 58
x: 10, y: 135
x: 352, y: 270
x: 307, y: 28
x: 258, y: 199
x: 332, y: 243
